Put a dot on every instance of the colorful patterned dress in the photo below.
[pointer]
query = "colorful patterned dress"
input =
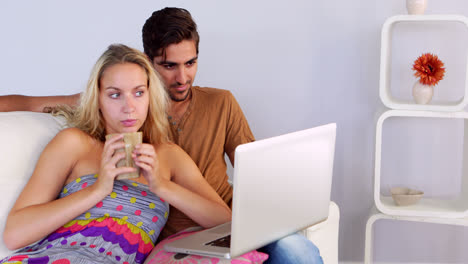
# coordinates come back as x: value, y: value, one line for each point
x: 122, y: 228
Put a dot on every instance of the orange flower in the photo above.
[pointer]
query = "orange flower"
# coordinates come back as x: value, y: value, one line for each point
x: 429, y: 69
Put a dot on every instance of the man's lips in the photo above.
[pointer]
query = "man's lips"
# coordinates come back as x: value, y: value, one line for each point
x: 128, y: 122
x: 180, y: 88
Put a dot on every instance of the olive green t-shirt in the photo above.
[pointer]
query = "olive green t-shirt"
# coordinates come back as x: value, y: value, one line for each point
x: 212, y: 126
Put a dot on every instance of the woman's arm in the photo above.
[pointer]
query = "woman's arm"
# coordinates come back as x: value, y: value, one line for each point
x: 184, y: 187
x: 37, y: 211
x: 9, y: 103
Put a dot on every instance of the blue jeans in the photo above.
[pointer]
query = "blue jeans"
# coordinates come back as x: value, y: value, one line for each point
x: 292, y: 249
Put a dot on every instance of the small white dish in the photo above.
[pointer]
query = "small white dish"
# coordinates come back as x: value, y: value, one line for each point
x: 405, y: 196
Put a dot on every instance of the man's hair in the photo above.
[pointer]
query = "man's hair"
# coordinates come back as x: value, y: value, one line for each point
x: 87, y: 116
x: 168, y: 26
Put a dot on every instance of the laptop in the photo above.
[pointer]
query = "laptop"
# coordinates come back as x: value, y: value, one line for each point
x: 281, y: 185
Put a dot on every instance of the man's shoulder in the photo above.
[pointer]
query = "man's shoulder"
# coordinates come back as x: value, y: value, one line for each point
x: 211, y: 92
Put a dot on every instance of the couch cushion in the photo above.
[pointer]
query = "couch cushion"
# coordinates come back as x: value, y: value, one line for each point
x: 23, y: 136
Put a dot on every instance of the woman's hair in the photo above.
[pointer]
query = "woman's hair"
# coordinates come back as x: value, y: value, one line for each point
x: 87, y: 116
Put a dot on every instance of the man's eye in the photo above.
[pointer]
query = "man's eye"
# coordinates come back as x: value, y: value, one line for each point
x: 190, y: 63
x: 168, y: 66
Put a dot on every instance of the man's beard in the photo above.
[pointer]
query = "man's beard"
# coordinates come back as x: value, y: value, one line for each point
x: 174, y: 96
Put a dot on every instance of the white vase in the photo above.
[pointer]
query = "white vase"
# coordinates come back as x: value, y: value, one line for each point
x: 422, y: 93
x: 416, y: 7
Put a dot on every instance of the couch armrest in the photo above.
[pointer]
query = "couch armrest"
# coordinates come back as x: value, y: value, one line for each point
x: 325, y: 235
x: 23, y: 136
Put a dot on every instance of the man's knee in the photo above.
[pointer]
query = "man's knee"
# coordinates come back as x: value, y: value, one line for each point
x: 293, y: 249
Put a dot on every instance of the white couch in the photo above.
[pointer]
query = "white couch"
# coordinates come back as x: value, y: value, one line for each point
x: 23, y: 135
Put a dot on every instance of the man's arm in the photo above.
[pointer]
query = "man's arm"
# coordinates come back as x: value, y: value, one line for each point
x: 231, y: 156
x: 238, y: 130
x: 9, y: 103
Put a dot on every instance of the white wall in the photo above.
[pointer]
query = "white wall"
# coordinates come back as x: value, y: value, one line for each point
x: 291, y: 64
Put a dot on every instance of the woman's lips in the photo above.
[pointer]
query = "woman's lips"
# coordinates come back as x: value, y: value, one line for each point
x: 129, y: 122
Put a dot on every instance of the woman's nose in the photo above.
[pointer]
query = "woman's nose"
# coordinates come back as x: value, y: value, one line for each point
x: 129, y: 105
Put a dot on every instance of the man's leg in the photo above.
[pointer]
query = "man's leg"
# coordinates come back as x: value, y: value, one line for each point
x: 292, y: 249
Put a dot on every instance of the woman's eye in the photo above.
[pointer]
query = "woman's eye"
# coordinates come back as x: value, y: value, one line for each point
x: 114, y: 95
x: 139, y: 93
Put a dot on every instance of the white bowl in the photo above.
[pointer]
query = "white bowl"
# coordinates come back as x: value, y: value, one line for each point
x: 405, y: 196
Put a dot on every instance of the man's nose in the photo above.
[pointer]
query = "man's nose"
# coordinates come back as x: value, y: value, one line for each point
x: 181, y: 77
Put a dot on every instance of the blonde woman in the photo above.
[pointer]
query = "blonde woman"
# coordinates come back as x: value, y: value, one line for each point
x: 75, y: 208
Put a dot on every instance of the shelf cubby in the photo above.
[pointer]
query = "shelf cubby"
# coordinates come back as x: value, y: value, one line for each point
x: 453, y: 203
x: 451, y: 94
x: 375, y: 217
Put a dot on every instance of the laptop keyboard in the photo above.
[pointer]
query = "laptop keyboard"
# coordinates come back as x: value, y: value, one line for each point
x: 221, y: 242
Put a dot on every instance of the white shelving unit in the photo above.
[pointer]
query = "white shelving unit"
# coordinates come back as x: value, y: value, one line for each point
x: 452, y: 211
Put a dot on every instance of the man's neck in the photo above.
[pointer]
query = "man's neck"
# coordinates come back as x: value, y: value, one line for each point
x: 177, y: 109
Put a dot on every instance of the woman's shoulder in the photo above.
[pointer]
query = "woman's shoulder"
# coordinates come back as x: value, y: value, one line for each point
x: 175, y: 159
x: 73, y: 137
x: 72, y: 133
x: 170, y: 152
x: 168, y: 148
